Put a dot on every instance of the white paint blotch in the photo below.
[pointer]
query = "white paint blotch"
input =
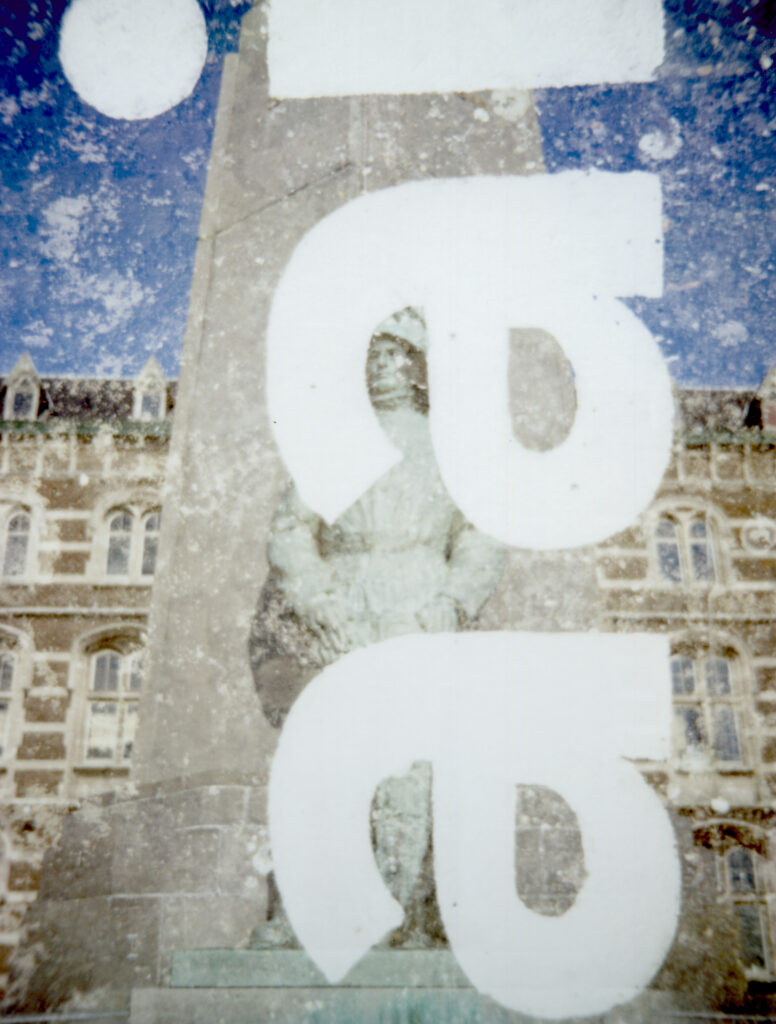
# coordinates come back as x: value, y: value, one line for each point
x: 661, y: 145
x: 133, y: 59
x: 481, y: 256
x: 469, y: 703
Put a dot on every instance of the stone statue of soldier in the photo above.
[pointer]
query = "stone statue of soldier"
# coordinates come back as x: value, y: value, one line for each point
x: 401, y: 559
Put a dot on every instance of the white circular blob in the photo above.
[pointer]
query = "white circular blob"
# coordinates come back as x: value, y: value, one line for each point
x: 133, y: 59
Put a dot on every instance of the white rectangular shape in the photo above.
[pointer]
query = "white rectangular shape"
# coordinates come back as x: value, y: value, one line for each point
x: 355, y: 47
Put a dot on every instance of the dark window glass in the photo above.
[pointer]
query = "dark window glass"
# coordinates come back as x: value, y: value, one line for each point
x: 22, y: 405
x: 717, y: 671
x: 693, y: 735
x: 6, y: 672
x: 726, y: 743
x: 107, y: 669
x: 135, y: 681
x: 750, y: 926
x: 151, y: 405
x: 4, y: 706
x: 119, y: 544
x: 151, y: 543
x: 683, y: 675
x: 740, y: 864
x: 668, y: 557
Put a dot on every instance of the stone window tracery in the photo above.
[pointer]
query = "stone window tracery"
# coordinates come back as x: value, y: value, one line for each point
x: 707, y: 691
x: 132, y: 543
x: 685, y: 549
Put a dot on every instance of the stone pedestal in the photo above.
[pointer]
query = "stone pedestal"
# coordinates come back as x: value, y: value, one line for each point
x: 387, y: 986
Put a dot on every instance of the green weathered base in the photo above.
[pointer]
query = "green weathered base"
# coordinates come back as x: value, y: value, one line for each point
x: 292, y: 968
x: 387, y: 986
x: 339, y: 1005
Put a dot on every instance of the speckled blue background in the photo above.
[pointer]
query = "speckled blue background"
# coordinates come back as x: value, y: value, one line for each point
x: 99, y: 218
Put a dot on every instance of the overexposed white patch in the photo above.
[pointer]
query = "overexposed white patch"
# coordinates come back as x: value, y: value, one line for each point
x: 351, y: 47
x: 481, y: 256
x: 490, y: 711
x: 511, y: 104
x: 660, y: 145
x: 133, y: 59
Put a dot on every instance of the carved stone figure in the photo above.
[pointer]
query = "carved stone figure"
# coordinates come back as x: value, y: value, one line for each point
x: 401, y: 559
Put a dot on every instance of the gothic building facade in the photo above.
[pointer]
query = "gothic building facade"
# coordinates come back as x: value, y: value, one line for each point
x: 81, y: 470
x: 700, y: 566
x: 83, y: 465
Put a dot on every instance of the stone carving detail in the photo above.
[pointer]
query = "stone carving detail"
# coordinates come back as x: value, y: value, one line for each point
x: 759, y: 535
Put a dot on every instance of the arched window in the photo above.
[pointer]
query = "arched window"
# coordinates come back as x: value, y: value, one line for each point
x: 684, y: 548
x: 22, y: 393
x: 119, y: 543
x: 116, y: 679
x: 151, y: 405
x: 17, y: 541
x: 150, y: 393
x: 23, y: 399
x: 707, y: 689
x: 132, y: 541
x: 153, y: 522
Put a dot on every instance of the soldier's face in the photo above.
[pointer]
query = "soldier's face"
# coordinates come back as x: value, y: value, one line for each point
x: 388, y: 373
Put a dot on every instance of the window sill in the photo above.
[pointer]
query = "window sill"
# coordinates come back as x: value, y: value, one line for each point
x: 101, y: 769
x: 123, y: 581
x: 759, y: 974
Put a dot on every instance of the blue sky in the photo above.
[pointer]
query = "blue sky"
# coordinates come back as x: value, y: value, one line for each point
x: 98, y: 218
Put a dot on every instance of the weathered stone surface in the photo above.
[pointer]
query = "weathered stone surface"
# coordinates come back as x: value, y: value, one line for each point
x: 243, y: 861
x: 183, y: 859
x: 37, y: 782
x: 117, y: 949
x: 79, y: 865
x: 22, y: 875
x: 42, y: 746
x: 213, y: 921
x: 215, y: 805
x: 52, y: 708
